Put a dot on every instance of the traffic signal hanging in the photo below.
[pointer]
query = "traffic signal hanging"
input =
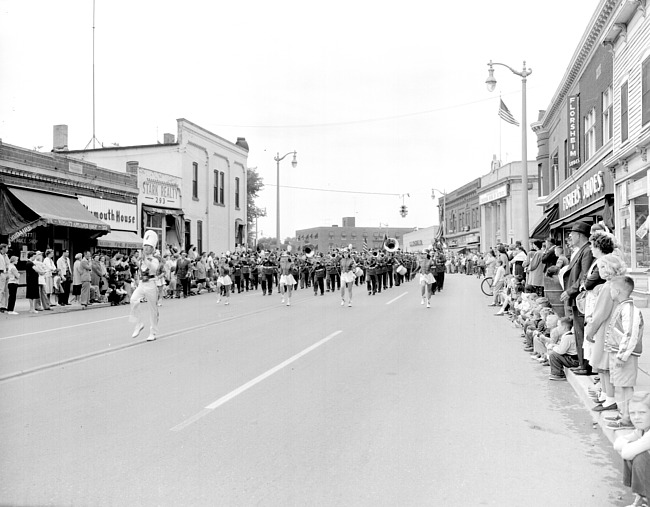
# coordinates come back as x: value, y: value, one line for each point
x: 403, y: 210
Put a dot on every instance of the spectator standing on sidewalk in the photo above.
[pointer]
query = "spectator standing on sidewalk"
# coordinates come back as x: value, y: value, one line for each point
x: 31, y: 276
x: 609, y: 267
x: 498, y: 282
x: 40, y: 269
x: 634, y: 448
x: 76, y: 278
x: 574, y: 278
x: 623, y: 342
x: 50, y: 268
x: 86, y: 268
x: 12, y: 283
x: 535, y: 267
x: 4, y: 277
x: 65, y: 270
x: 549, y: 257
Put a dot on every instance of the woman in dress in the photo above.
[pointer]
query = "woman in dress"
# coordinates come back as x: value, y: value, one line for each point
x: 33, y: 292
x: 609, y: 266
x: 490, y: 263
x: 50, y: 268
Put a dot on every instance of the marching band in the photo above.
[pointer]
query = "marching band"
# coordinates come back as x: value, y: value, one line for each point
x: 340, y: 269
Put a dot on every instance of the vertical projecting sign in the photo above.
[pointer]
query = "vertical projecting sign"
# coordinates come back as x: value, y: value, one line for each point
x: 573, y: 128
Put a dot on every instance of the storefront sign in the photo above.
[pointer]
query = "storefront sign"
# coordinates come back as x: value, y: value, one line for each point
x: 573, y: 119
x: 159, y: 189
x: 417, y: 242
x: 493, y: 195
x: 119, y: 215
x: 24, y: 230
x: 590, y: 187
x: 473, y: 238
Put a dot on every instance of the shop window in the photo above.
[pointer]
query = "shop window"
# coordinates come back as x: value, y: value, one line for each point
x: 608, y: 117
x: 195, y: 180
x: 624, y: 112
x: 199, y: 236
x: 645, y: 91
x: 590, y: 134
x: 237, y: 193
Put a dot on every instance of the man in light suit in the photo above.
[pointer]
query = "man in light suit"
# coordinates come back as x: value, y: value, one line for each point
x: 574, y: 278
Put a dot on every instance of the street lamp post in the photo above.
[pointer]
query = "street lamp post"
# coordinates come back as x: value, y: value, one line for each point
x: 491, y: 83
x: 444, y: 207
x: 294, y: 163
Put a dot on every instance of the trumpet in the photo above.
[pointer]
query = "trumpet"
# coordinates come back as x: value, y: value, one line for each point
x: 391, y: 245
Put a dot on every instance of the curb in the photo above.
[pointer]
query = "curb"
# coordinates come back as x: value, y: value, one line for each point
x: 580, y: 385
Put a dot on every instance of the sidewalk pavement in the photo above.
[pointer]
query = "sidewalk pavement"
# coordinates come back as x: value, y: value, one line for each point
x: 581, y: 383
x: 22, y: 307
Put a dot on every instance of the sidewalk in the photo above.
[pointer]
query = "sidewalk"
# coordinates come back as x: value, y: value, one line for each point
x: 22, y: 307
x: 581, y: 383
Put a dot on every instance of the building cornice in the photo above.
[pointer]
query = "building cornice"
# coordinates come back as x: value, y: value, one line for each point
x: 585, y: 47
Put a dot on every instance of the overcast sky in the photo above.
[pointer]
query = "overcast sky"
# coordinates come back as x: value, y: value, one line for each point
x: 386, y: 98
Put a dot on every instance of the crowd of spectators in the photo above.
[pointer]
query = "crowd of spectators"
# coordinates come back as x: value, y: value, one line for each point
x: 595, y: 331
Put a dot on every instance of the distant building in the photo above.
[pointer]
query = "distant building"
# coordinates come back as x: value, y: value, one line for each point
x: 323, y: 239
x: 459, y: 211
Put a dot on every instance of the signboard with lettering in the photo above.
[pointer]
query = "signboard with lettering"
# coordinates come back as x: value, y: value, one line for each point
x: 119, y: 215
x: 159, y: 189
x: 573, y: 129
x: 493, y: 195
x: 593, y: 186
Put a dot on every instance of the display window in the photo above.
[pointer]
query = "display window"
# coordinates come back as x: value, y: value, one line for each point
x: 634, y: 231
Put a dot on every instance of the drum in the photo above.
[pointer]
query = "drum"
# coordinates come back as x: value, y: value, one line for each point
x: 358, y: 271
x: 401, y: 270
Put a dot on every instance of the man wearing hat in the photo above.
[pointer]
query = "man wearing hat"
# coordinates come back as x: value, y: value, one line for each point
x: 574, y: 278
x: 148, y: 265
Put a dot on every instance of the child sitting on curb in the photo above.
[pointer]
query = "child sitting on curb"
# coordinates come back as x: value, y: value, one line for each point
x: 542, y: 340
x: 565, y: 352
x: 634, y: 448
x: 623, y: 340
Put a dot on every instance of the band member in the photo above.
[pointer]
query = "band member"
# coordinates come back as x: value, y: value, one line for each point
x: 440, y: 261
x: 246, y: 273
x: 319, y: 277
x: 267, y: 270
x: 148, y: 265
x: 371, y: 275
x: 426, y: 277
x: 224, y: 281
x: 346, y: 265
x: 287, y: 280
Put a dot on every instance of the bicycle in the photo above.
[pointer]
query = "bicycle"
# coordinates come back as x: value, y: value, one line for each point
x: 486, y: 286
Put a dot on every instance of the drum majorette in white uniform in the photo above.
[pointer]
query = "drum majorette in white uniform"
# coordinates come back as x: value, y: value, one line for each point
x: 426, y: 277
x: 147, y: 287
x: 287, y: 281
x: 347, y: 276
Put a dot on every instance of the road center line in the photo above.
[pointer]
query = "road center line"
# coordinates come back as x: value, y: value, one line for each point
x: 232, y: 394
x: 62, y: 328
x: 395, y: 299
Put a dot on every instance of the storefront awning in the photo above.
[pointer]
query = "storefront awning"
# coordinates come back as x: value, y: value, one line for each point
x: 120, y: 239
x: 542, y: 228
x: 597, y: 208
x: 162, y: 211
x: 43, y: 208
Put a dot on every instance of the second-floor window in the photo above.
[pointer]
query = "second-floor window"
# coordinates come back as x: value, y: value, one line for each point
x: 195, y: 180
x: 215, y: 188
x: 555, y: 172
x: 608, y: 117
x: 237, y: 193
x: 222, y: 184
x: 590, y: 134
x: 624, y: 112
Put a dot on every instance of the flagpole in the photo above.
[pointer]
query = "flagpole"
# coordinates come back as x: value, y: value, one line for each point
x: 500, y: 159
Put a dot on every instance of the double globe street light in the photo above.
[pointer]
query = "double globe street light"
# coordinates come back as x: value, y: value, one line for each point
x: 491, y: 83
x: 294, y: 163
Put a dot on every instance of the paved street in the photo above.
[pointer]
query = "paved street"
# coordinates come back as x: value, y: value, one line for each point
x: 385, y: 403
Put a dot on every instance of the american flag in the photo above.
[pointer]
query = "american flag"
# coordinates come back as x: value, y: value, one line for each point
x: 366, y: 248
x: 506, y: 115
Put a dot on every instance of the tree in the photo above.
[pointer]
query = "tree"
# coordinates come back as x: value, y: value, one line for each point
x: 253, y: 185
